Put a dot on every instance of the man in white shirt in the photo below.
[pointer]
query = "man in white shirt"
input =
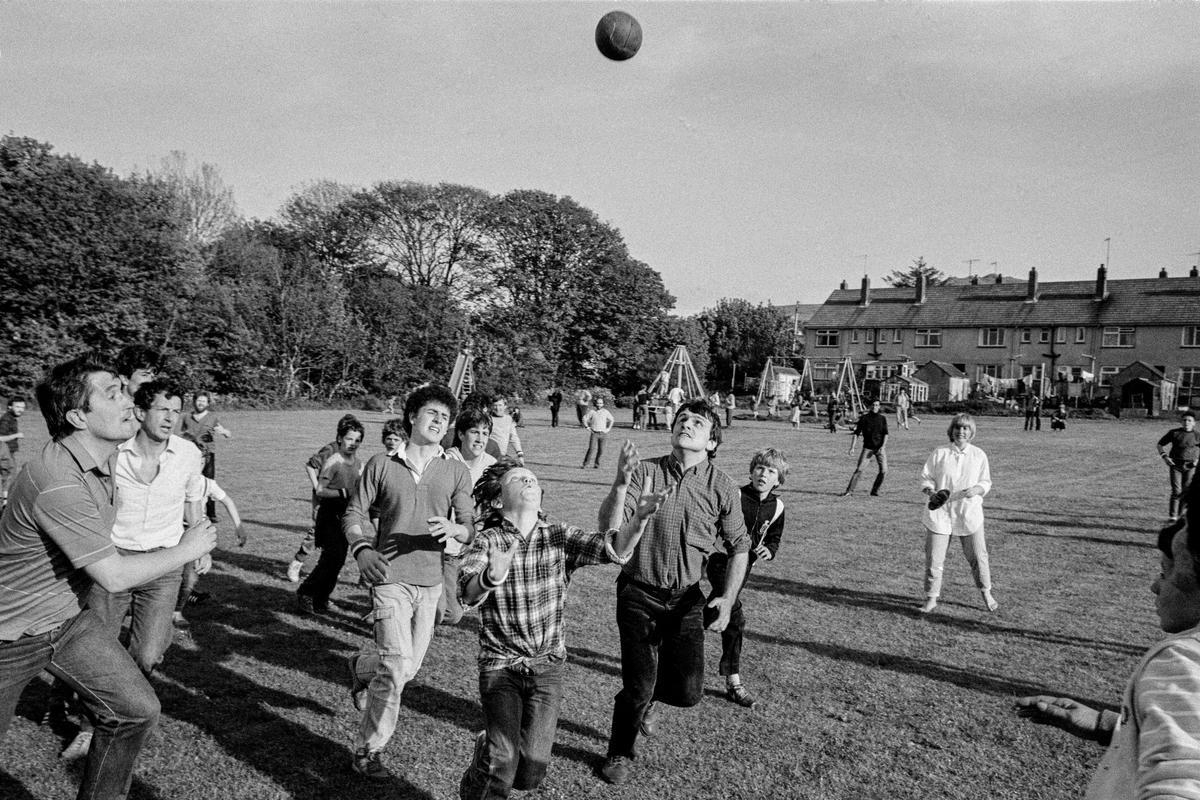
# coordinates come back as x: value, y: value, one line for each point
x: 599, y: 421
x: 159, y: 488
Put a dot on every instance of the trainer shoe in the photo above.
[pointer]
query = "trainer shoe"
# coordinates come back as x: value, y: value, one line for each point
x: 293, y: 571
x: 358, y: 687
x: 930, y: 605
x: 304, y: 604
x: 616, y: 769
x: 741, y: 695
x: 367, y: 763
x: 649, y: 723
x: 78, y: 748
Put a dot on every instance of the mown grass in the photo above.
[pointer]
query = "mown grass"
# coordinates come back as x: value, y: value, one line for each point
x: 861, y: 697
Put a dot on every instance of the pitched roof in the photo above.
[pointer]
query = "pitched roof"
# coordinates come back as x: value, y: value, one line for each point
x: 949, y: 369
x: 1135, y: 301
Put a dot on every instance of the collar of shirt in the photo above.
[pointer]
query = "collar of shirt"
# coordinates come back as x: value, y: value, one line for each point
x: 84, y: 459
x: 674, y: 467
x: 173, y: 443
x: 417, y: 473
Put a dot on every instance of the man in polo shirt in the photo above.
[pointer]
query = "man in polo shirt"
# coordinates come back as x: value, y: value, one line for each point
x: 55, y: 541
x: 159, y: 489
x: 660, y: 607
x: 873, y: 428
x: 413, y: 493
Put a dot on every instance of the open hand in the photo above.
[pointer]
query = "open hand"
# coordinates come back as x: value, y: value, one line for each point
x: 1062, y: 712
x: 627, y: 462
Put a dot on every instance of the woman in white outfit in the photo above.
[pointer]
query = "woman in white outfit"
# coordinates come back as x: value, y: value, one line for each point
x: 960, y: 469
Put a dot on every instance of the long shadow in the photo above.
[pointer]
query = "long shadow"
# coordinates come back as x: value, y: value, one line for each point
x: 13, y: 789
x: 1073, y: 536
x: 1075, y: 522
x: 278, y: 526
x: 973, y: 679
x: 892, y: 603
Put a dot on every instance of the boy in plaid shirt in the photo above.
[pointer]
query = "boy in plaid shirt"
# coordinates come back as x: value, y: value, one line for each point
x: 517, y: 571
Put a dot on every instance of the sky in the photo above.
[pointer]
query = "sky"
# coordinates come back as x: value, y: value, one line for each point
x: 765, y: 151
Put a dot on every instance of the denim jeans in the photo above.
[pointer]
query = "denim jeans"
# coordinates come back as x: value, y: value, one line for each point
x: 449, y: 610
x: 974, y: 547
x: 595, y: 446
x: 404, y: 619
x: 662, y: 655
x: 520, y: 714
x: 84, y: 655
x: 880, y: 457
x: 151, y: 630
x: 1181, y: 480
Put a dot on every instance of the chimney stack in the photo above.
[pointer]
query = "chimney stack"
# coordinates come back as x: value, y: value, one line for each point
x: 999, y: 278
x: 1101, y: 283
x: 1162, y: 273
x: 843, y: 287
x: 864, y: 298
x: 974, y: 280
x: 1031, y: 295
x: 1195, y: 273
x: 920, y: 298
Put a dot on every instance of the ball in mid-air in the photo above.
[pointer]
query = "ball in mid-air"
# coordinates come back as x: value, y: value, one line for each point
x: 618, y: 36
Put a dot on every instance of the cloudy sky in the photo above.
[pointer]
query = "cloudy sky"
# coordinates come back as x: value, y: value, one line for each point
x: 764, y: 150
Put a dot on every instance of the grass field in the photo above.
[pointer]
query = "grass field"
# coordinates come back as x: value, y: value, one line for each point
x: 860, y: 696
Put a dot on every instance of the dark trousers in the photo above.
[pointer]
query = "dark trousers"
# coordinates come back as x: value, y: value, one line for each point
x: 208, y: 468
x: 1033, y: 420
x: 595, y: 446
x: 321, y: 582
x: 85, y: 656
x: 880, y: 457
x: 734, y: 633
x: 662, y: 655
x: 520, y: 715
x: 554, y: 416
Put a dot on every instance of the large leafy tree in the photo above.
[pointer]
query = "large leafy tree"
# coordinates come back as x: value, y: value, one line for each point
x: 87, y: 260
x: 202, y: 202
x: 908, y: 277
x: 742, y: 334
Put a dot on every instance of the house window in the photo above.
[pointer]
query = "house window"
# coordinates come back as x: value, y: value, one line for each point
x: 1189, y: 380
x: 1025, y: 335
x: 1043, y: 335
x: 854, y: 336
x: 928, y: 337
x: 897, y: 335
x: 989, y: 370
x: 1060, y: 335
x: 1191, y: 335
x: 1106, y: 375
x: 1117, y: 337
x: 827, y: 338
x: 1080, y: 335
x: 871, y: 336
x: 991, y: 337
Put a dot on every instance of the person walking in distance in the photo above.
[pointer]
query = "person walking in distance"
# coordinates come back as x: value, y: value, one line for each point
x: 873, y: 428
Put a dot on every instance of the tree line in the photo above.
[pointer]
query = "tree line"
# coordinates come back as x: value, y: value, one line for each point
x: 346, y: 292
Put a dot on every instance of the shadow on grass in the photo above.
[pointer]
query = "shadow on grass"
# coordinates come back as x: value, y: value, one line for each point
x: 1148, y: 542
x: 13, y: 789
x: 975, y: 680
x: 298, y: 528
x: 893, y: 603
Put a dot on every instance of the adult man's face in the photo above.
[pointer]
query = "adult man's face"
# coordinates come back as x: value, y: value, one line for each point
x: 875, y: 407
x: 1177, y: 592
x: 692, y: 432
x: 158, y: 421
x: 429, y: 423
x: 17, y: 408
x: 109, y: 416
x: 200, y: 403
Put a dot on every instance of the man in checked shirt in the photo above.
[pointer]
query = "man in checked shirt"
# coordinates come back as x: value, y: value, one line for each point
x: 659, y: 601
x: 517, y: 572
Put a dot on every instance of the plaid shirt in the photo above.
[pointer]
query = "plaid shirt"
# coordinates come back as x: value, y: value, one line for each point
x: 702, y: 512
x: 522, y: 619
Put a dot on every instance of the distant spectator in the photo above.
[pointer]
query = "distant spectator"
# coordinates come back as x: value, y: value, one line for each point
x: 1033, y: 412
x: 555, y: 397
x: 730, y: 406
x: 583, y: 402
x: 10, y: 426
x: 504, y: 431
x: 599, y: 421
x: 1180, y: 448
x: 1058, y: 420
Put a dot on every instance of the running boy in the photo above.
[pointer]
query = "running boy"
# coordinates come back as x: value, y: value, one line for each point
x: 312, y: 468
x: 763, y: 512
x: 472, y: 428
x: 517, y: 572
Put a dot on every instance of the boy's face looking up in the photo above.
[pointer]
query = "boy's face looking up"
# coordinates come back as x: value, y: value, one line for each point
x: 519, y: 490
x: 691, y: 432
x: 474, y: 441
x: 764, y: 479
x: 429, y: 423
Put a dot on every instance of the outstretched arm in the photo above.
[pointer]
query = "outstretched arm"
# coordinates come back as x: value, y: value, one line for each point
x: 612, y: 510
x: 1074, y: 718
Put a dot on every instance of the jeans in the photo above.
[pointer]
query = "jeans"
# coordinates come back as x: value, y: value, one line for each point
x: 449, y: 610
x: 1033, y: 420
x: 595, y: 445
x: 520, y: 714
x: 553, y: 416
x: 733, y: 636
x: 974, y: 548
x: 880, y: 457
x: 1181, y: 480
x: 83, y: 654
x: 662, y: 655
x: 150, y: 607
x: 323, y: 579
x: 404, y: 619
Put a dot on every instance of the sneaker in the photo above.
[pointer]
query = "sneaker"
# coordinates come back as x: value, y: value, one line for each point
x: 649, y: 723
x: 739, y: 694
x: 616, y: 769
x: 930, y: 605
x: 358, y: 687
x: 367, y: 763
x: 78, y: 748
x: 988, y: 600
x: 293, y: 571
x: 304, y: 604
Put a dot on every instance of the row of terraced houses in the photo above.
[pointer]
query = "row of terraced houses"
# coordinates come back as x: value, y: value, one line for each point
x: 993, y: 330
